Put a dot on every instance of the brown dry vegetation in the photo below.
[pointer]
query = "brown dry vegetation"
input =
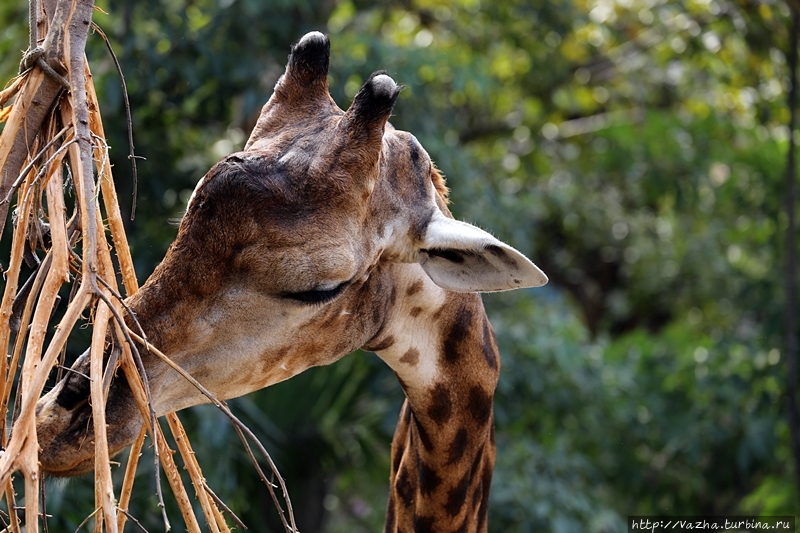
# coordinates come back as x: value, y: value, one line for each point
x: 53, y: 137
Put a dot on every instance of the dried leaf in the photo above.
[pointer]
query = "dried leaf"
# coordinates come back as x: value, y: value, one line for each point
x: 12, y: 88
x: 5, y: 112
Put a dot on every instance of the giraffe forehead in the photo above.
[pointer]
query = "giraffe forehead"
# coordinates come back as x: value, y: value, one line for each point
x: 319, y: 174
x: 319, y: 149
x: 295, y: 190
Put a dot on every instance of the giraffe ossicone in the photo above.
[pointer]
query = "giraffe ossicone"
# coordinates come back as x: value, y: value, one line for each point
x: 328, y: 233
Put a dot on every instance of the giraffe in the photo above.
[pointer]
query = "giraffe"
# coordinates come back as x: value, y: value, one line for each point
x: 328, y: 233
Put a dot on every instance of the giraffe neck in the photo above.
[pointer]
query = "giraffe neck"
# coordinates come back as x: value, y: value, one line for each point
x: 443, y: 450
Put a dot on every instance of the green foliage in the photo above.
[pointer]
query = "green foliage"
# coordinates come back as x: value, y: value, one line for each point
x: 634, y: 149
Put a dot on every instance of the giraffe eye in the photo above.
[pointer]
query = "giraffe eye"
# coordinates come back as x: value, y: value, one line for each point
x: 317, y: 296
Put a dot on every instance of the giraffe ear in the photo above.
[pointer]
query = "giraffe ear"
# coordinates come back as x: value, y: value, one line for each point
x: 460, y: 257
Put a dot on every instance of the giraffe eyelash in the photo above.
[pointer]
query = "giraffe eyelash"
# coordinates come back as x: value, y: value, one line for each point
x: 317, y: 296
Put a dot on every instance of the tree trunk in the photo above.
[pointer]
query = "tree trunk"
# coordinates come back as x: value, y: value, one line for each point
x: 791, y: 252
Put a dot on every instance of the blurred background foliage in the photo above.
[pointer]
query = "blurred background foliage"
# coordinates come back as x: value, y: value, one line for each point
x: 633, y: 148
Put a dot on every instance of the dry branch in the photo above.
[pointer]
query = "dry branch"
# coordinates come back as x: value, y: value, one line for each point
x: 35, y: 99
x: 199, y: 482
x: 48, y: 129
x: 30, y: 129
x: 176, y: 483
x: 130, y: 473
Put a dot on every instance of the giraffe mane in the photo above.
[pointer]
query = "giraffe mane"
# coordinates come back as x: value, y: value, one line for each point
x: 439, y: 184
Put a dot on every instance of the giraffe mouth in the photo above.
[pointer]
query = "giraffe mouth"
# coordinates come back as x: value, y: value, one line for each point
x: 65, y: 427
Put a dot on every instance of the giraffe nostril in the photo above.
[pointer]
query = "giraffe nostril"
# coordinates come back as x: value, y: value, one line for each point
x: 74, y: 391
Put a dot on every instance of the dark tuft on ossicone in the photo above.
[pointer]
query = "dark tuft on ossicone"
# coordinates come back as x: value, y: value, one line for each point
x: 310, y: 57
x: 376, y: 98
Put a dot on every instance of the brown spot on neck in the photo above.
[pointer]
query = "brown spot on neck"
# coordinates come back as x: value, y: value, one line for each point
x: 429, y: 480
x: 440, y: 407
x: 403, y: 487
x: 479, y: 405
x: 414, y: 288
x: 424, y: 438
x: 411, y: 357
x: 457, y: 339
x: 490, y: 351
x: 457, y: 496
x: 423, y: 524
x: 458, y: 446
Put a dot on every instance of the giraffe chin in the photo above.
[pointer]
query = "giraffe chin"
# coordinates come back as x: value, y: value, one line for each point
x: 66, y: 438
x: 79, y: 470
x: 75, y: 469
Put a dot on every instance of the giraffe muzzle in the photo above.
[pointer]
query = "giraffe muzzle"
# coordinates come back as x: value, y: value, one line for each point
x: 65, y: 426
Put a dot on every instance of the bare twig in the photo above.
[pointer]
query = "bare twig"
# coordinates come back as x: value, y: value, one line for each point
x: 140, y: 379
x: 12, y: 280
x: 139, y: 365
x: 56, y: 157
x: 8, y: 382
x: 85, y: 520
x: 44, y: 507
x: 73, y: 371
x: 225, y: 507
x: 270, y: 486
x: 12, y: 89
x: 127, y: 483
x: 33, y: 23
x: 131, y: 155
x: 132, y: 519
x: 12, y: 507
x: 104, y: 488
x: 110, y: 199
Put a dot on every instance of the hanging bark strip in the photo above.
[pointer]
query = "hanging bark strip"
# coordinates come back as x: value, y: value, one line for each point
x: 36, y: 97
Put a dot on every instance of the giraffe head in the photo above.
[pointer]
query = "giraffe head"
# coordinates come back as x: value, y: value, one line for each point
x: 288, y: 257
